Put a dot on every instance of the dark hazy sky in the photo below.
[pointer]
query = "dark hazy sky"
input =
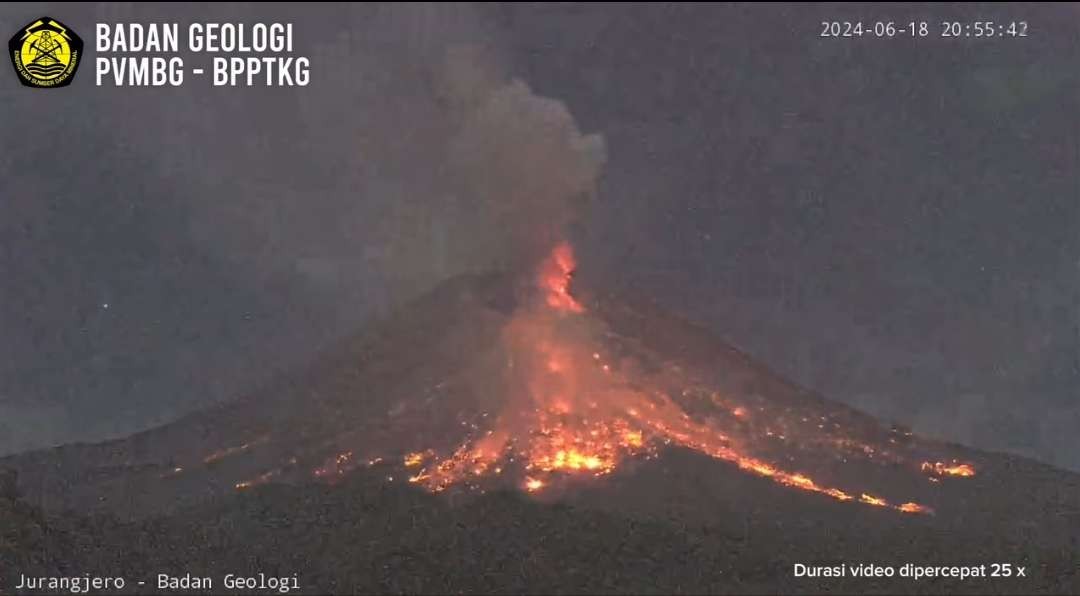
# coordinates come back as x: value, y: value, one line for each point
x: 891, y: 222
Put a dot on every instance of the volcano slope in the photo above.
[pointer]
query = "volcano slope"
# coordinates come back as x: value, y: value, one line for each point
x: 505, y: 436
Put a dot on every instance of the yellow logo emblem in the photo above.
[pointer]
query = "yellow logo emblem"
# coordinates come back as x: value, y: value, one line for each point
x: 45, y: 53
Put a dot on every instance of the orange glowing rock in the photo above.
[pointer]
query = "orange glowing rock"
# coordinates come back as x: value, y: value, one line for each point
x: 954, y: 469
x: 872, y: 500
x: 838, y: 494
x: 800, y: 480
x: 914, y: 508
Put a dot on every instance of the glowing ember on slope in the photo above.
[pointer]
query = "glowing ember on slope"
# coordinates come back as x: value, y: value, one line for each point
x: 173, y: 472
x: 914, y: 508
x: 571, y: 415
x: 260, y: 479
x: 335, y: 466
x: 872, y: 500
x: 953, y: 469
x: 416, y: 458
x: 230, y: 451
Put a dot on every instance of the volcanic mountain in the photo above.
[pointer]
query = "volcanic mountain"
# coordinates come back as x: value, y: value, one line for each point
x: 508, y: 433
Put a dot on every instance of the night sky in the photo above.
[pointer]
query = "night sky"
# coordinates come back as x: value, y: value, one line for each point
x: 893, y: 223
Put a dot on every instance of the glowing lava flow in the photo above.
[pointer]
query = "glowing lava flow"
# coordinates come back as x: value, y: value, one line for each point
x: 570, y: 414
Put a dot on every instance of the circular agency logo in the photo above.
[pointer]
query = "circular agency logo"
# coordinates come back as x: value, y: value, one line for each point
x: 46, y: 53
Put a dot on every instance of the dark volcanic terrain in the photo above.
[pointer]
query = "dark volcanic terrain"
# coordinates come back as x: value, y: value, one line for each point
x: 309, y: 477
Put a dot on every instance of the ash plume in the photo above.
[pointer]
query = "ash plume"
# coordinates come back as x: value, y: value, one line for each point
x: 453, y: 164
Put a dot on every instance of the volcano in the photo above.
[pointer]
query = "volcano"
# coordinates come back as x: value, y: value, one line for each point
x: 533, y: 433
